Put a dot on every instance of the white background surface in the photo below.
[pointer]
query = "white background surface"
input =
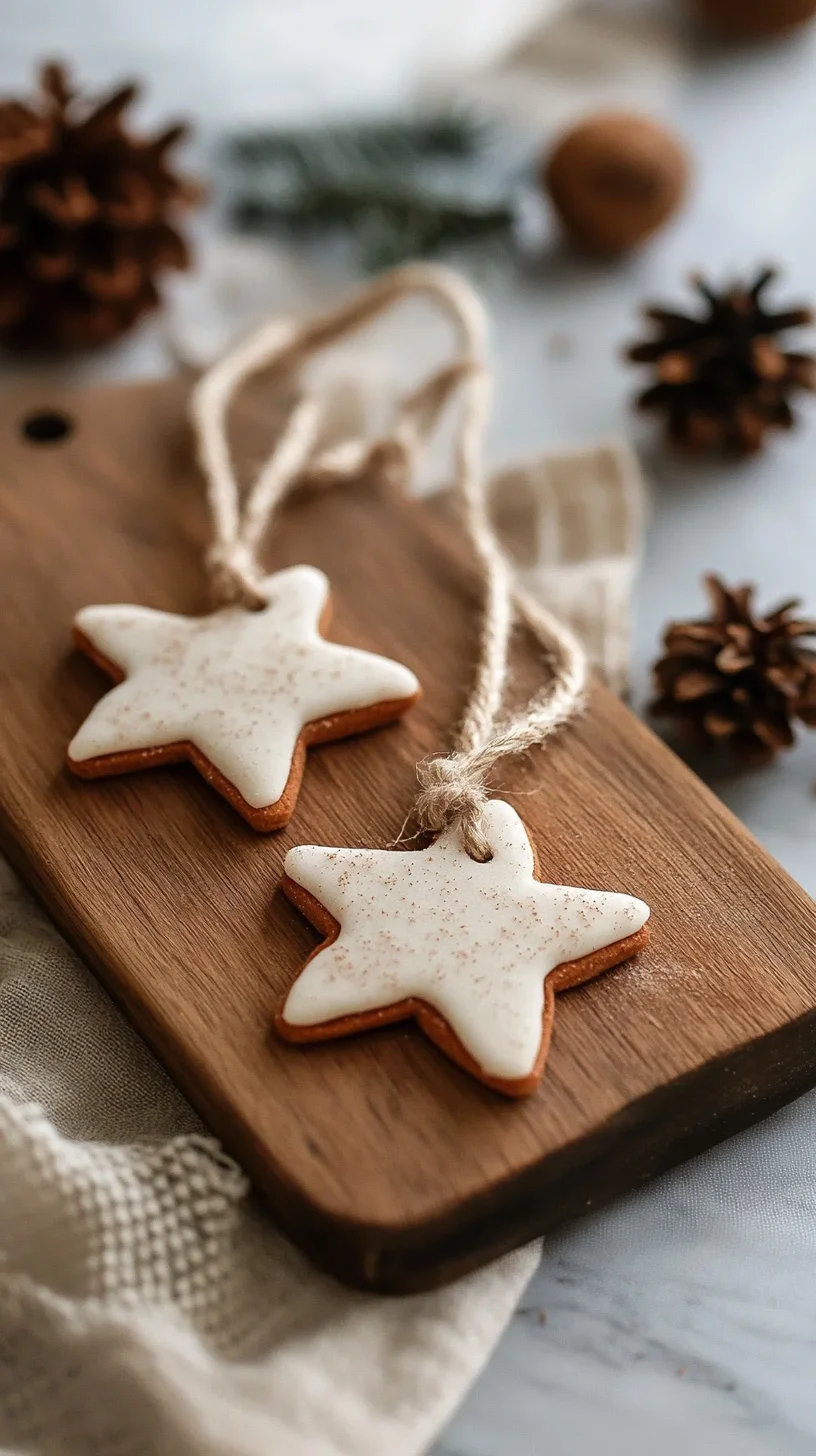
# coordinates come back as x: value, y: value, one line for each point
x: 683, y: 1318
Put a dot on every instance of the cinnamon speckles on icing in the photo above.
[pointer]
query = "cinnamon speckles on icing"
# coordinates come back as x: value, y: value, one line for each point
x: 474, y: 941
x: 239, y: 685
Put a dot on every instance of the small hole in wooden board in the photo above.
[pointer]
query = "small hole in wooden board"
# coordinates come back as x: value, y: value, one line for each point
x: 46, y: 427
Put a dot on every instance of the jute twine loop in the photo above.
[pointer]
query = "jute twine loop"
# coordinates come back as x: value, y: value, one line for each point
x: 453, y: 788
x: 237, y: 529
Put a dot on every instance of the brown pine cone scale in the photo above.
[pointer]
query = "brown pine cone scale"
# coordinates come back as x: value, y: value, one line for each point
x: 738, y: 678
x: 722, y: 379
x: 87, y: 216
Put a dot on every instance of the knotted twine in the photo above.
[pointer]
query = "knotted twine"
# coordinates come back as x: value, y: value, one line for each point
x: 453, y: 788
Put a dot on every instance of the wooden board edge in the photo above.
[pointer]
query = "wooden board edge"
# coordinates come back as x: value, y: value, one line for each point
x: 537, y: 1202
x: 426, y: 1255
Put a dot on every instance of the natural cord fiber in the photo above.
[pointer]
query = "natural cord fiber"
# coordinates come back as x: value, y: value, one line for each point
x: 453, y: 788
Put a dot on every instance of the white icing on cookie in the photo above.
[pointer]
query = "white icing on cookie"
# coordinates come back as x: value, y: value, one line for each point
x: 474, y: 941
x: 239, y: 685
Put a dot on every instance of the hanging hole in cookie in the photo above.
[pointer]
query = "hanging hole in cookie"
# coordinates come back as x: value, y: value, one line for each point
x: 46, y: 427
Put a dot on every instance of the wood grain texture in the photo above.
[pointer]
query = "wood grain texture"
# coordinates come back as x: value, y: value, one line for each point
x: 390, y: 1166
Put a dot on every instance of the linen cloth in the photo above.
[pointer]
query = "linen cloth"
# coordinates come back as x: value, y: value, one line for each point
x: 572, y: 524
x: 147, y: 1304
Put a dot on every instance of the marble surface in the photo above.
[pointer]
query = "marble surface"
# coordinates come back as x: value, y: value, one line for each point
x: 681, y: 1319
x: 684, y: 1317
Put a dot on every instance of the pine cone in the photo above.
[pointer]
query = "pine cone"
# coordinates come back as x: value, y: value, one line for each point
x: 723, y: 379
x: 736, y: 678
x: 85, y: 211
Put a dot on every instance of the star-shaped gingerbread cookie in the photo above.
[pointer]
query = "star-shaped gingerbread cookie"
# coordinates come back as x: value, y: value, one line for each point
x: 240, y: 694
x: 475, y: 952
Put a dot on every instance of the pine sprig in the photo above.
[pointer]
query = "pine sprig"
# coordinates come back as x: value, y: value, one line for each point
x: 403, y: 188
x: 382, y: 145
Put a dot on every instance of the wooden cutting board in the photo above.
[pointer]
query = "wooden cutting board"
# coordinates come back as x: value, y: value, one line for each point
x: 391, y: 1168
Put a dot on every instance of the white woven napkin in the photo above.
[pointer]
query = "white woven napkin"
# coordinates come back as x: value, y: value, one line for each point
x: 147, y: 1304
x: 572, y: 524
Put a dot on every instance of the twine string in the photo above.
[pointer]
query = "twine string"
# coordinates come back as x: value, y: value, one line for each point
x: 237, y: 529
x: 453, y: 787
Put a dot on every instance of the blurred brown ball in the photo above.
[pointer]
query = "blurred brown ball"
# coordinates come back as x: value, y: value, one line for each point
x: 755, y: 19
x: 614, y: 179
